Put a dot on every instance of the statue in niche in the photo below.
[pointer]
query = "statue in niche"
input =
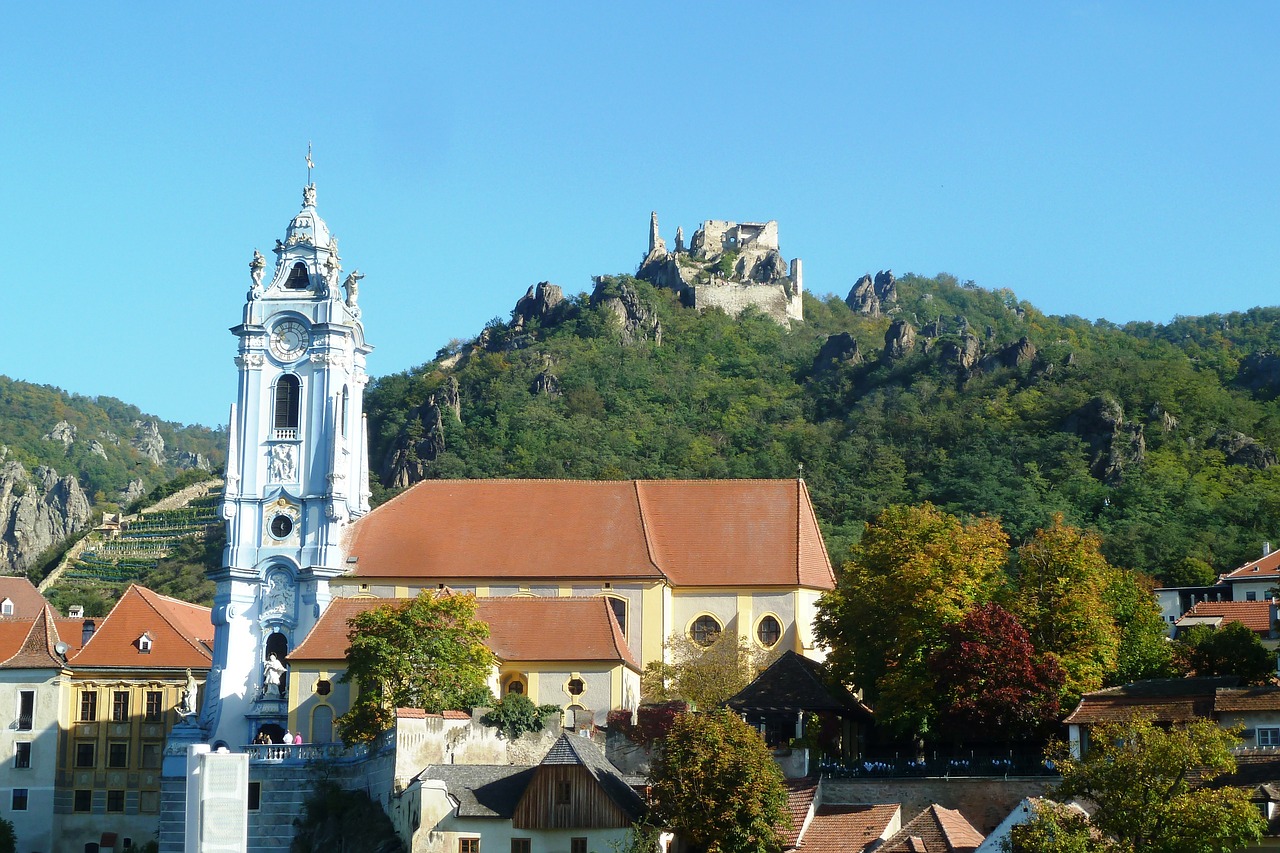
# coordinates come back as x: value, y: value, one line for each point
x: 188, y: 706
x: 272, y: 673
x: 352, y: 285
x: 278, y: 600
x: 256, y: 268
x: 281, y: 467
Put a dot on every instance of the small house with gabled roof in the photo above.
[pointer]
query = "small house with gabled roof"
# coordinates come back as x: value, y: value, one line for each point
x: 573, y: 801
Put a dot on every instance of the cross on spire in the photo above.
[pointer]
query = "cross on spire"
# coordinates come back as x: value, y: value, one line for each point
x: 310, y: 164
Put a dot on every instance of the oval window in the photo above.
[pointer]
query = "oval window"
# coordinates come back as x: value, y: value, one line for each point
x: 769, y: 631
x: 705, y: 630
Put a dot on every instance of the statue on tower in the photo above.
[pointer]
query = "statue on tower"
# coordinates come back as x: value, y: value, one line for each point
x: 352, y: 285
x: 256, y: 268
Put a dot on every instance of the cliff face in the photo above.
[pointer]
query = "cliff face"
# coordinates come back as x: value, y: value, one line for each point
x: 38, y: 509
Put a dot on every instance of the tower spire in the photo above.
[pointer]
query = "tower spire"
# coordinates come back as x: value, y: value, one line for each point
x: 310, y: 164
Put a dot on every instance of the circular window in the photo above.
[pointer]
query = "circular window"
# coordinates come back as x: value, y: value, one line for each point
x: 323, y: 686
x: 769, y: 631
x: 705, y: 630
x: 281, y: 526
x: 576, y: 687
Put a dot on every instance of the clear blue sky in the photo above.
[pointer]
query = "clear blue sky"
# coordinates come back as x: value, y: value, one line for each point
x: 1102, y: 159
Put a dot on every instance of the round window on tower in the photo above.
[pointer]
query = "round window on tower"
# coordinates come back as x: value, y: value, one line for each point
x: 281, y: 526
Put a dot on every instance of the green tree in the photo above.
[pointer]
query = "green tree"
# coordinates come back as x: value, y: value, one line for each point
x: 703, y: 676
x: 1144, y: 650
x: 1060, y: 598
x: 426, y: 653
x: 516, y: 714
x: 336, y: 820
x: 1138, y: 775
x: 915, y: 571
x: 715, y: 783
x: 8, y: 838
x: 1055, y: 829
x: 1233, y: 649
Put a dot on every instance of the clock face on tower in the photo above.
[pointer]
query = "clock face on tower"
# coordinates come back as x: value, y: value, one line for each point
x: 289, y: 340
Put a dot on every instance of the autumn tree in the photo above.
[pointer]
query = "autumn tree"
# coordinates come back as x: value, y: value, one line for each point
x: 703, y: 676
x: 915, y: 571
x: 991, y: 683
x: 1233, y: 649
x: 1060, y: 598
x: 428, y: 652
x: 715, y: 784
x: 1139, y: 777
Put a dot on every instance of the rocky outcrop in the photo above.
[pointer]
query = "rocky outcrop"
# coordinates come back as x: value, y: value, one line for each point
x: 545, y: 382
x: 96, y: 448
x: 862, y: 298
x: 37, y: 511
x: 62, y: 432
x: 148, y: 441
x: 131, y: 492
x: 1168, y: 423
x: 900, y: 340
x: 1115, y: 444
x: 187, y: 460
x: 963, y: 353
x: 543, y: 302
x: 1260, y: 373
x: 873, y: 296
x: 450, y: 398
x: 637, y: 320
x: 837, y: 350
x: 1014, y: 355
x: 1241, y: 449
x: 421, y: 441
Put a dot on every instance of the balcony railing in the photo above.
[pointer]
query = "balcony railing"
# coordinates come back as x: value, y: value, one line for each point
x: 307, y: 752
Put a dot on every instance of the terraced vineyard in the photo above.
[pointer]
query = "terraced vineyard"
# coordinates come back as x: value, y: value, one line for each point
x: 139, y: 547
x: 96, y: 572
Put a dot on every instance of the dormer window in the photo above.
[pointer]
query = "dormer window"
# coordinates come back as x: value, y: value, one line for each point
x: 6, y: 607
x: 144, y: 644
x: 298, y: 278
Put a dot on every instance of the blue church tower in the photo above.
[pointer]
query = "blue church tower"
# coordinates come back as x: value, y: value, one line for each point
x: 297, y: 473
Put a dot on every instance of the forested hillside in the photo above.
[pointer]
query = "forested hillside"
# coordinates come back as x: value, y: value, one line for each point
x: 1158, y: 437
x: 65, y: 458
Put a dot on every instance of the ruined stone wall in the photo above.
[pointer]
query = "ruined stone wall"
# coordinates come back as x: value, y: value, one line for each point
x: 733, y: 298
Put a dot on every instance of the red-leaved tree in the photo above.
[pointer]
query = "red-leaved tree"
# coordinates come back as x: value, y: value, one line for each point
x: 991, y: 683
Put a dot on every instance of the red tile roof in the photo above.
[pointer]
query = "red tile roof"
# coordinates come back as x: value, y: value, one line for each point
x: 585, y: 629
x: 181, y: 634
x: 1227, y: 700
x: 1164, y: 700
x: 935, y: 830
x: 800, y: 794
x: 692, y: 533
x: 1255, y: 615
x: 27, y: 600
x: 1260, y: 569
x: 38, y: 647
x: 839, y: 829
x: 13, y: 633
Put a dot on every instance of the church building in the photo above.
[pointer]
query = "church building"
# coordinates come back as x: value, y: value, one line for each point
x: 629, y: 563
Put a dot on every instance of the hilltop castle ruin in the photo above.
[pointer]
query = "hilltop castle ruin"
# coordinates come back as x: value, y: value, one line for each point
x: 727, y: 265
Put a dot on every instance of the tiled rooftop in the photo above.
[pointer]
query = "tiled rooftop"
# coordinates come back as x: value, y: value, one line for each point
x: 692, y: 533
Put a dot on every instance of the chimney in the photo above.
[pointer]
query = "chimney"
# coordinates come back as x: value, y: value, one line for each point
x: 1266, y: 548
x: 86, y: 632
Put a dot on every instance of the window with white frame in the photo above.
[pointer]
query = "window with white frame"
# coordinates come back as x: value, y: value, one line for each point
x: 1269, y: 736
